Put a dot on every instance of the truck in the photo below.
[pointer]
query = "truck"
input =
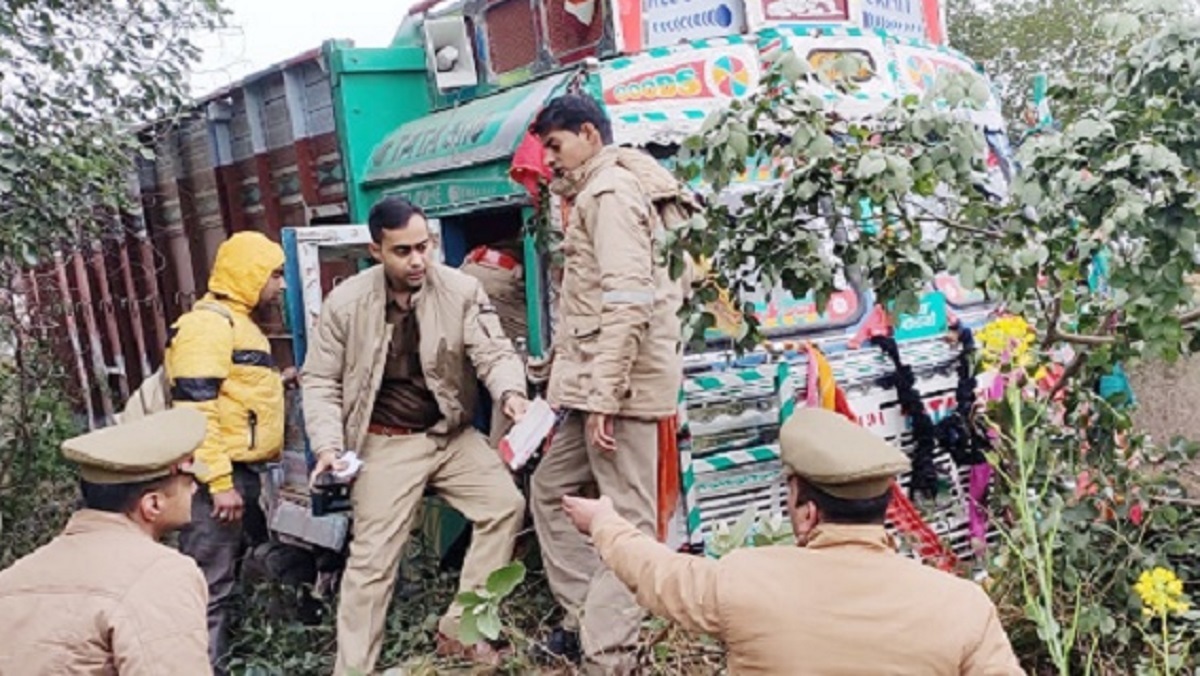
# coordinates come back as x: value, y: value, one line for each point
x: 303, y: 149
x: 481, y: 72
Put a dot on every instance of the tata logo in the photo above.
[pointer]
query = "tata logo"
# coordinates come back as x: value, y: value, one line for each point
x: 925, y: 318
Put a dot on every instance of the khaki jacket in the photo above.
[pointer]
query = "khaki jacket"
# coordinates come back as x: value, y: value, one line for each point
x: 506, y: 289
x: 103, y: 598
x: 617, y: 343
x: 845, y: 604
x: 460, y: 337
x: 222, y: 366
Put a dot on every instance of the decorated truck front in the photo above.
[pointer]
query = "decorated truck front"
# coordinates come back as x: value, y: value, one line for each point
x: 658, y: 87
x: 731, y: 407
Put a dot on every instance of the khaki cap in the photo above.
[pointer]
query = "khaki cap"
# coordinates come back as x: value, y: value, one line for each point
x: 149, y: 448
x: 837, y: 456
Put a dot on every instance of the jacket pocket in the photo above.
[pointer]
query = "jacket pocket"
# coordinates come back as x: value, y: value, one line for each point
x: 584, y: 331
x: 583, y: 328
x: 252, y: 423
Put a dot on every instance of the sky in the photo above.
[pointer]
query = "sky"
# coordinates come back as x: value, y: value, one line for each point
x: 264, y: 32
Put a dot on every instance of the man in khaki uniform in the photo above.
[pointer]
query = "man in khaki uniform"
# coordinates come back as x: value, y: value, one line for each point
x: 616, y: 369
x: 500, y: 272
x: 105, y: 597
x: 812, y: 609
x: 391, y: 375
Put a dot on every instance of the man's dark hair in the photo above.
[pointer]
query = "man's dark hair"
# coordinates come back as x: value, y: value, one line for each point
x: 391, y: 213
x: 845, y: 510
x: 118, y: 498
x: 570, y: 112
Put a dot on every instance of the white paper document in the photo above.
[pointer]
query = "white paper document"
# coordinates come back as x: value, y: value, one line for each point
x: 353, y: 464
x: 524, y: 438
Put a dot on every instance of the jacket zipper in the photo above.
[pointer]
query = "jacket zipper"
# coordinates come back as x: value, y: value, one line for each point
x: 252, y: 418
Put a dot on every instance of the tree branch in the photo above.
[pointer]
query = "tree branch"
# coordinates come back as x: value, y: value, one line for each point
x: 1078, y: 338
x: 1187, y: 502
x: 1184, y: 318
x: 942, y: 220
x: 1068, y: 373
x: 1190, y: 316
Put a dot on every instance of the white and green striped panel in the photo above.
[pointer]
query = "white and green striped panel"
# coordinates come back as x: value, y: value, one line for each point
x: 687, y: 478
x: 756, y: 379
x: 723, y: 462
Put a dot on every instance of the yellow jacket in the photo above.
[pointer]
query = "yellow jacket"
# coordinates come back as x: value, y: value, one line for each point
x: 223, y: 367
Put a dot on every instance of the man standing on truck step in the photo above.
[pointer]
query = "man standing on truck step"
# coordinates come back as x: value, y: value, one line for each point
x: 844, y: 601
x: 616, y: 370
x: 391, y: 375
x: 499, y: 270
x: 219, y: 363
x: 105, y: 597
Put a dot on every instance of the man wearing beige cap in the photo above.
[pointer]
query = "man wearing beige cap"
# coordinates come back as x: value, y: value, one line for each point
x: 105, y: 597
x: 844, y: 602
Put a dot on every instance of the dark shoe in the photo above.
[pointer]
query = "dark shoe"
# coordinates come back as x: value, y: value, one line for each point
x: 483, y: 653
x: 561, y: 644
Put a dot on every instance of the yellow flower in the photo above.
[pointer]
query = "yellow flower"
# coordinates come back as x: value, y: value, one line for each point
x: 1161, y: 592
x: 1006, y: 341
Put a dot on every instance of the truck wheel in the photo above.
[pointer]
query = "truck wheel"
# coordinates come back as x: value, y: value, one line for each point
x: 292, y: 568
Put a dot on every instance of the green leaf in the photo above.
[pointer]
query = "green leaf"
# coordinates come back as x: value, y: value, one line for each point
x: 821, y: 147
x: 469, y: 599
x: 504, y: 580
x: 468, y: 629
x: 979, y: 92
x: 1187, y: 239
x: 791, y: 66
x: 488, y: 623
x: 871, y: 165
x: 741, y: 528
x: 739, y: 142
x: 1087, y: 129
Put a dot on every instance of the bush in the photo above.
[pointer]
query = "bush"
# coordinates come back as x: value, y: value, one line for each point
x: 38, y: 489
x: 1085, y: 509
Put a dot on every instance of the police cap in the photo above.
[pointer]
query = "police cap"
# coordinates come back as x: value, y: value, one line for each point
x: 838, y: 456
x: 149, y: 448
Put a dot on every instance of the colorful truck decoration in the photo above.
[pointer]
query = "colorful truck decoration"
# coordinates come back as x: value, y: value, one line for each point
x: 455, y: 161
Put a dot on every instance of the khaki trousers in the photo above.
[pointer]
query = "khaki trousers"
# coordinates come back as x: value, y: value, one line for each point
x: 385, y: 497
x: 600, y: 605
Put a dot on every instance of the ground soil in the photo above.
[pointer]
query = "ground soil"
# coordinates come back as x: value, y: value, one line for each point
x: 1168, y: 397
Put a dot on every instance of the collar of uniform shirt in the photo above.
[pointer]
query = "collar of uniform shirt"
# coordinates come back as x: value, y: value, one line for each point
x: 413, y: 297
x: 868, y: 536
x: 94, y: 521
x: 402, y: 308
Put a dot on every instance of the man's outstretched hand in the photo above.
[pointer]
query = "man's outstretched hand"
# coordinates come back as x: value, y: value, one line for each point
x: 583, y: 511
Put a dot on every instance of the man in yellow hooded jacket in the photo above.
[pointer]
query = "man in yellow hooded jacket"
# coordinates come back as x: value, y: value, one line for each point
x: 219, y: 363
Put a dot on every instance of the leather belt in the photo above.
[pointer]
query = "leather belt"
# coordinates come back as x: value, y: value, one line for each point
x: 390, y: 431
